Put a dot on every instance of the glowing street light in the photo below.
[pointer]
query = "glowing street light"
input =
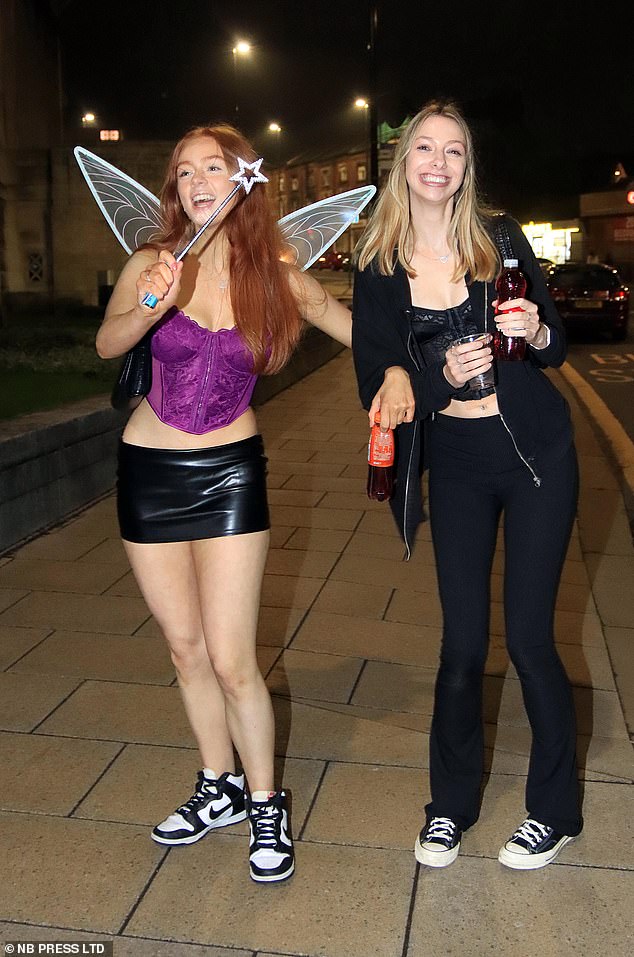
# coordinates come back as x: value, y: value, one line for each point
x: 275, y: 129
x: 88, y: 119
x: 241, y: 49
x: 361, y: 103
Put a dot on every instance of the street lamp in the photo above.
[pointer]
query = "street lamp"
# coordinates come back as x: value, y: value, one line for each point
x: 275, y: 129
x: 242, y: 48
x: 88, y: 119
x: 363, y: 106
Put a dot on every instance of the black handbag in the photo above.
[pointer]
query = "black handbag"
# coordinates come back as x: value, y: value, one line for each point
x: 135, y: 375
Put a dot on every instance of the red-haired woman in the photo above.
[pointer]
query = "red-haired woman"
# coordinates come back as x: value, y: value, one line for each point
x: 191, y: 481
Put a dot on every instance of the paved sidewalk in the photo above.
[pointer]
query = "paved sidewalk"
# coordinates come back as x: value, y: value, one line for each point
x: 95, y: 747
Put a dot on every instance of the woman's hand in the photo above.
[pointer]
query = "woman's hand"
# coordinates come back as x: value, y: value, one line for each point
x: 465, y: 360
x: 394, y: 400
x: 162, y: 279
x: 523, y: 320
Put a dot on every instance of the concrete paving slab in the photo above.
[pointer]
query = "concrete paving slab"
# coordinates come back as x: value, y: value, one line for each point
x: 320, y: 732
x: 92, y: 613
x: 370, y: 639
x: 561, y: 911
x: 143, y: 660
x: 16, y: 642
x: 286, y: 591
x: 302, y: 563
x: 97, y: 871
x: 348, y: 598
x: 305, y: 674
x: 29, y: 783
x: 42, y: 574
x: 112, y: 711
x: 123, y: 946
x: 318, y: 540
x: 350, y: 806
x: 26, y: 700
x: 332, y: 923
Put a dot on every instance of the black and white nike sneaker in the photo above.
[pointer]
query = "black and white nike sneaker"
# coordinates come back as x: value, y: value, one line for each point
x: 271, y: 854
x: 216, y: 802
x: 533, y: 845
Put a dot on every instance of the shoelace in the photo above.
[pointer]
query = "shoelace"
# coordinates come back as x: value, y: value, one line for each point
x: 265, y: 822
x: 442, y: 827
x: 204, y: 791
x: 532, y: 832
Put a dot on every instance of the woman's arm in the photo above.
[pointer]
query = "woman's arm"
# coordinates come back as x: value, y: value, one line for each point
x: 382, y: 359
x: 126, y: 320
x: 321, y: 309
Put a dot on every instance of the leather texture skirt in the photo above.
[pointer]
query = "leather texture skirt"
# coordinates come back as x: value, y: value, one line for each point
x: 181, y: 495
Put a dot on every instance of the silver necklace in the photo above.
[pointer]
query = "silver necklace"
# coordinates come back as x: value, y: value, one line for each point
x: 436, y: 259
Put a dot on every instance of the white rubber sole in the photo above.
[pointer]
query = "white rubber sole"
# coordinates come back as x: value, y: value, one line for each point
x: 193, y: 838
x: 270, y: 879
x: 531, y: 862
x: 435, y: 858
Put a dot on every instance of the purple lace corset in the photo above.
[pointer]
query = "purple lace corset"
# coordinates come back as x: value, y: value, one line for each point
x: 201, y: 380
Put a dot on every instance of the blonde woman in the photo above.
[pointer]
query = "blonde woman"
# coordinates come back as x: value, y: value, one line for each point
x: 427, y: 264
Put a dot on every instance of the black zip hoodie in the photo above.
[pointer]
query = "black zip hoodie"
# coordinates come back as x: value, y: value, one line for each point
x: 532, y: 410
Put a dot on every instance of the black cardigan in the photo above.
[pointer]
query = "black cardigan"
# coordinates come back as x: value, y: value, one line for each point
x: 532, y: 409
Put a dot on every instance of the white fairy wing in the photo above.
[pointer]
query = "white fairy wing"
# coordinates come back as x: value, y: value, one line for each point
x: 134, y: 216
x: 132, y: 211
x: 311, y: 230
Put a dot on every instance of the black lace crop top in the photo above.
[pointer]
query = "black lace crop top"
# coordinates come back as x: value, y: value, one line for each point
x: 435, y: 330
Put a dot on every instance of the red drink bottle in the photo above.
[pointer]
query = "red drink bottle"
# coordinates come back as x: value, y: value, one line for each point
x: 380, y: 462
x: 510, y: 284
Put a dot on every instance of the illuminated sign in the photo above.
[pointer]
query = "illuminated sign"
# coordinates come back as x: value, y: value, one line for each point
x: 630, y: 197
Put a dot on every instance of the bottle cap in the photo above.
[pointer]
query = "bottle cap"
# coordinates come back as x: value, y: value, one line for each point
x: 511, y: 263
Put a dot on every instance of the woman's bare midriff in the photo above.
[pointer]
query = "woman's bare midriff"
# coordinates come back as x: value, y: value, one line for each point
x: 146, y: 429
x: 472, y: 408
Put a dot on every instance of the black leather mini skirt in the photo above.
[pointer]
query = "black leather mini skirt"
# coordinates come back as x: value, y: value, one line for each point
x: 180, y: 495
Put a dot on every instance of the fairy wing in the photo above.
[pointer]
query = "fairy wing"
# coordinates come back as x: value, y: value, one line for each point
x: 311, y: 230
x: 132, y: 211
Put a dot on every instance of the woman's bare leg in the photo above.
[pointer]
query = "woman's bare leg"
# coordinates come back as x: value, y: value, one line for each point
x: 167, y: 578
x: 229, y: 572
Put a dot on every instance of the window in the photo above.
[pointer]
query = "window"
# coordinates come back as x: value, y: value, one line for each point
x: 311, y: 179
x: 294, y: 184
x: 343, y: 173
x: 361, y: 172
x: 325, y: 176
x: 113, y: 135
x: 36, y: 267
x: 281, y: 183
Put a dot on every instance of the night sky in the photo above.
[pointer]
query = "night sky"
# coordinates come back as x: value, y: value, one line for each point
x: 549, y: 92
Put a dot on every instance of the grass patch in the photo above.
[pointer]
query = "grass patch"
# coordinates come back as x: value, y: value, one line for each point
x: 47, y: 361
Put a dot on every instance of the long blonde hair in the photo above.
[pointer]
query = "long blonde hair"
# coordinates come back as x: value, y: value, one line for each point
x: 389, y: 236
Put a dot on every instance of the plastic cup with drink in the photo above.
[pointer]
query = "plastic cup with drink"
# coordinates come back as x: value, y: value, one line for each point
x: 483, y: 380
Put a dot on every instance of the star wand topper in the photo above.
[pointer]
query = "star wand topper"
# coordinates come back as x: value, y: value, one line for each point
x: 247, y: 175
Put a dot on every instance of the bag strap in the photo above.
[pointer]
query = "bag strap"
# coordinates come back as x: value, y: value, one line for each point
x: 502, y: 239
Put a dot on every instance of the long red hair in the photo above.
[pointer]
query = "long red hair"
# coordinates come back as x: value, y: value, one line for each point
x: 264, y: 308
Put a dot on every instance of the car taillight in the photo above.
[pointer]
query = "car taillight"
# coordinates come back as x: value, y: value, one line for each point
x: 557, y: 294
x: 620, y: 295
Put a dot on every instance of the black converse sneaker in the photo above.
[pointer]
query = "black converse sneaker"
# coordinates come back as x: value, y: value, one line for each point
x: 438, y: 843
x: 533, y: 845
x: 271, y: 855
x: 215, y: 803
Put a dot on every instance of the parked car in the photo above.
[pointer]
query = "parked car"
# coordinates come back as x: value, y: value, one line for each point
x: 590, y: 293
x: 333, y: 260
x: 544, y: 264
